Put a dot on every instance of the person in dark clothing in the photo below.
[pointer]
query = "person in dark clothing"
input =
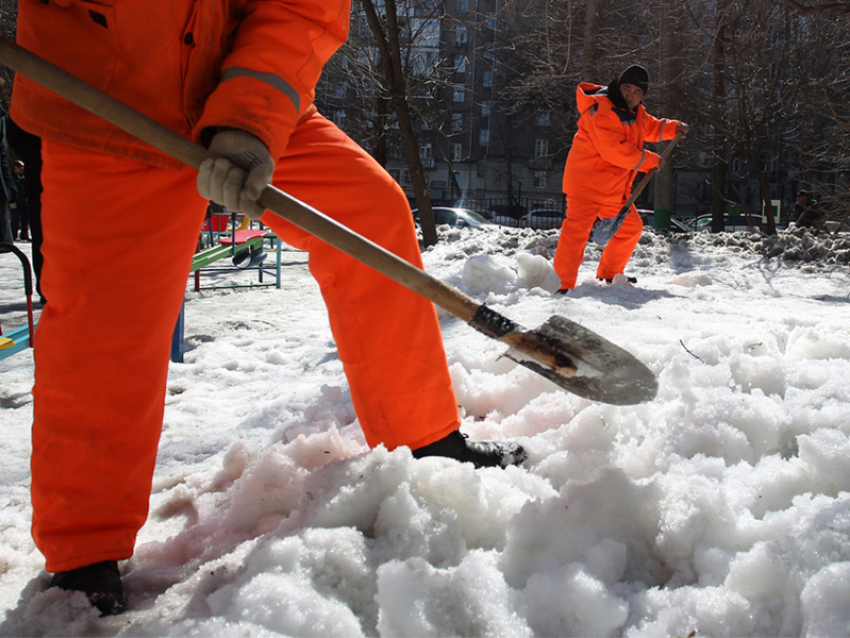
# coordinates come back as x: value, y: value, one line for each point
x: 28, y: 148
x: 806, y: 211
x: 18, y: 210
x: 8, y: 192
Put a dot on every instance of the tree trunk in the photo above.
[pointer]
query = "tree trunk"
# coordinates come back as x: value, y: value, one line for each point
x: 379, y: 145
x: 388, y: 40
x: 721, y: 167
x: 764, y: 187
x: 591, y: 39
x: 667, y: 66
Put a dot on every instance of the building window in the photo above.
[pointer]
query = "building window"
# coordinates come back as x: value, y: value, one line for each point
x: 339, y: 118
x: 426, y: 154
x: 459, y: 93
x: 484, y: 137
x: 540, y: 179
x: 457, y: 152
x: 341, y: 89
x: 541, y: 148
x: 461, y: 61
x: 462, y: 6
x: 485, y: 109
x: 487, y: 79
x: 491, y: 20
x: 543, y: 118
x: 460, y: 35
x: 457, y: 122
x: 424, y: 61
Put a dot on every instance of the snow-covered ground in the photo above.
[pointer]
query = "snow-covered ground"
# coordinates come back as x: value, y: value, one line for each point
x: 721, y: 508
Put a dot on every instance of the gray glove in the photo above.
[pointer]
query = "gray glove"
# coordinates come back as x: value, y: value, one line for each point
x: 236, y: 177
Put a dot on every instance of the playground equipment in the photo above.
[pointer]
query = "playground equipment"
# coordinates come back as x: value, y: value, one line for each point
x: 224, y: 236
x: 244, y: 247
x: 23, y: 337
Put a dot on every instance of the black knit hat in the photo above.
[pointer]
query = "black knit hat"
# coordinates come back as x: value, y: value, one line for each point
x: 636, y: 75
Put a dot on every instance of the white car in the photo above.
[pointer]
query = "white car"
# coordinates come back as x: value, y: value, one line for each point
x: 730, y: 223
x: 457, y: 217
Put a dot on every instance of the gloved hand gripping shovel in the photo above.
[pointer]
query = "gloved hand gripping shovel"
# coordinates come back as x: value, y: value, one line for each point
x: 607, y: 228
x: 561, y: 350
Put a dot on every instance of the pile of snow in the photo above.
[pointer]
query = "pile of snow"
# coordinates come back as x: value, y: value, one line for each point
x: 721, y: 508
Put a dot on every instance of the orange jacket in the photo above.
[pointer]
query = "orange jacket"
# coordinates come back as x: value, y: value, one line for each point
x: 189, y: 64
x: 607, y: 151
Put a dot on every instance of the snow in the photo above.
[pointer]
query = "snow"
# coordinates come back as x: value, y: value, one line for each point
x: 721, y: 508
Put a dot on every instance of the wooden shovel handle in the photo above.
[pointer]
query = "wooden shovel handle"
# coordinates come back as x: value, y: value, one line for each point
x: 309, y: 219
x: 646, y: 178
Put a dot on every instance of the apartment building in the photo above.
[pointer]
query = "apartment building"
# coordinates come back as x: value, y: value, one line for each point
x: 476, y: 142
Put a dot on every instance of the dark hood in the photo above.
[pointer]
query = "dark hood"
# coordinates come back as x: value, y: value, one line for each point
x: 612, y: 91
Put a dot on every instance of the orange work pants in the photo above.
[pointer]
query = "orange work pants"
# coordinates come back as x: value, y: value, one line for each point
x: 575, y: 231
x: 119, y: 239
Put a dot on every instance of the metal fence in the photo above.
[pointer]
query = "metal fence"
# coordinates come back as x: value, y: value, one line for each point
x: 507, y: 211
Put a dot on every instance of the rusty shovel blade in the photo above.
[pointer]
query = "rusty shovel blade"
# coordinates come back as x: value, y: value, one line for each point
x: 582, y: 362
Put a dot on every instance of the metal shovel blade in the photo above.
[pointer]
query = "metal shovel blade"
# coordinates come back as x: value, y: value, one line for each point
x: 584, y: 363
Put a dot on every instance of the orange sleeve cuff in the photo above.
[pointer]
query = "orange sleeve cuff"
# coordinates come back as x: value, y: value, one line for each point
x: 251, y: 105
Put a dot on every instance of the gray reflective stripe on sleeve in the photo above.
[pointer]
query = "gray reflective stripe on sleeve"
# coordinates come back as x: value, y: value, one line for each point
x: 661, y: 130
x: 642, y: 157
x: 274, y: 81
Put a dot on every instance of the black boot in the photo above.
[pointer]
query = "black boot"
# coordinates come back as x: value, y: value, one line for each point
x: 479, y: 453
x: 101, y: 583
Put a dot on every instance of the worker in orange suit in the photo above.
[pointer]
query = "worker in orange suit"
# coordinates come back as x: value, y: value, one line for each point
x: 606, y: 156
x: 238, y: 76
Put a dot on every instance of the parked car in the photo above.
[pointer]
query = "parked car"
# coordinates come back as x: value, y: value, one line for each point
x: 543, y: 218
x: 676, y: 225
x: 730, y: 223
x: 456, y: 217
x: 508, y: 210
x: 507, y: 214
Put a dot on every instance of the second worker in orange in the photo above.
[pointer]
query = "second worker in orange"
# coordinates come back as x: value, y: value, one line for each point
x: 606, y: 155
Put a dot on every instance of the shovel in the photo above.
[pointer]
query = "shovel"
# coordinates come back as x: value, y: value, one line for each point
x: 561, y: 350
x: 607, y: 228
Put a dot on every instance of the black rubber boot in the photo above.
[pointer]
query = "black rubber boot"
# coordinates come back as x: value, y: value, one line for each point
x: 479, y: 453
x: 101, y: 583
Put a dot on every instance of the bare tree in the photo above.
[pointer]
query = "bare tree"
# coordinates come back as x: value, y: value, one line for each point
x: 825, y: 149
x: 670, y: 70
x: 591, y: 37
x: 773, y: 55
x: 815, y: 6
x: 720, y: 146
x: 752, y: 81
x: 387, y: 32
x: 8, y: 22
